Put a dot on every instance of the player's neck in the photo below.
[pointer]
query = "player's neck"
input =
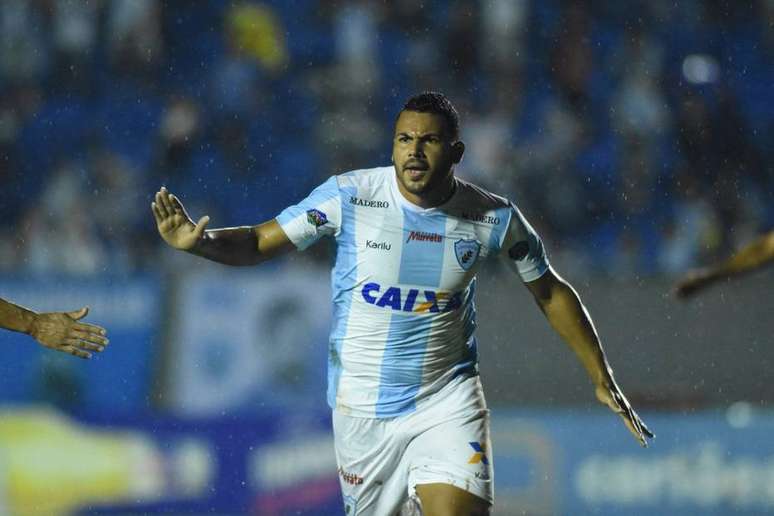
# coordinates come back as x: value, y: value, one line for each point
x: 438, y: 195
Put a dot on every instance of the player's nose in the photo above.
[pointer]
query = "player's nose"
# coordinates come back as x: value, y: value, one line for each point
x: 416, y: 151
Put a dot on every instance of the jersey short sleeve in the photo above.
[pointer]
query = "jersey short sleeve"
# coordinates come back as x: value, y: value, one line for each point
x: 316, y: 216
x: 523, y: 249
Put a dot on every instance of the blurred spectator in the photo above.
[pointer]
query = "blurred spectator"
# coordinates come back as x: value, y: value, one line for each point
x: 75, y: 37
x: 639, y: 110
x: 178, y: 137
x: 24, y: 53
x: 462, y: 46
x: 134, y: 37
x: 504, y: 31
x: 255, y: 31
x: 693, y: 232
x: 59, y: 234
x: 488, y: 134
x: 117, y: 198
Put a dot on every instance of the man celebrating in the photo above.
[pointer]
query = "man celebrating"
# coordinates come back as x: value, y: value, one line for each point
x: 409, y: 417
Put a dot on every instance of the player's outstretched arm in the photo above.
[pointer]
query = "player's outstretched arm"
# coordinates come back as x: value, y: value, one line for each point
x: 58, y: 330
x: 246, y: 245
x: 567, y: 315
x: 747, y: 259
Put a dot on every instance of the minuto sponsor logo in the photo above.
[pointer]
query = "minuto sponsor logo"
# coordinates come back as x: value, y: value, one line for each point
x: 368, y: 203
x: 421, y: 236
x: 481, y: 217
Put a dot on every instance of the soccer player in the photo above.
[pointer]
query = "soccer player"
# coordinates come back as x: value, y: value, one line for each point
x: 409, y: 417
x: 749, y: 258
x: 57, y: 330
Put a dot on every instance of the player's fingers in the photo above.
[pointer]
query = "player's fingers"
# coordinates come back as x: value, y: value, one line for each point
x: 166, y: 202
x: 78, y: 314
x: 90, y: 337
x: 613, y: 401
x: 78, y: 343
x: 90, y: 328
x: 645, y: 430
x: 635, y: 427
x: 76, y: 351
x: 201, y: 225
x: 89, y: 346
x: 156, y: 213
x: 160, y: 204
x: 177, y: 206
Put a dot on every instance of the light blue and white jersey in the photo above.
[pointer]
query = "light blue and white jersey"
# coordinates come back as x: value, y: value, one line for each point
x: 404, y: 282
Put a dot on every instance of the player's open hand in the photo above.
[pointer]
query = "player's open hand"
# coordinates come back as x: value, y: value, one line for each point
x: 62, y: 331
x: 612, y: 396
x: 174, y: 225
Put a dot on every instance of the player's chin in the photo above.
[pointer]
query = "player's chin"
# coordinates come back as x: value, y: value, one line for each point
x: 415, y: 184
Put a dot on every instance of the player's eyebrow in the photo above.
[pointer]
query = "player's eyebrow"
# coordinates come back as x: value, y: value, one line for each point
x: 420, y: 136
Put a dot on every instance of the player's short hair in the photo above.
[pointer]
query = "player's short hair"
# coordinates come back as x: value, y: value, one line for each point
x: 439, y: 104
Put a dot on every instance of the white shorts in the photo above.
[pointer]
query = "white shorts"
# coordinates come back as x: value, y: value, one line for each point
x: 446, y: 440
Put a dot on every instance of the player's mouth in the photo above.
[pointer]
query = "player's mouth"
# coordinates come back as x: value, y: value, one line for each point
x: 416, y: 169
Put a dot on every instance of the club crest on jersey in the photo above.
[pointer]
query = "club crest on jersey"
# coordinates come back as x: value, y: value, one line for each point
x: 466, y: 252
x: 316, y: 217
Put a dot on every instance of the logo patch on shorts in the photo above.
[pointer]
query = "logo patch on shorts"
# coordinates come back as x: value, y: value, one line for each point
x: 466, y: 252
x: 480, y: 455
x: 316, y: 217
x: 350, y: 505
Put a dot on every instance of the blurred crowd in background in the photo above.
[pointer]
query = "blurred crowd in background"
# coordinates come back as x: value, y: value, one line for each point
x: 636, y: 136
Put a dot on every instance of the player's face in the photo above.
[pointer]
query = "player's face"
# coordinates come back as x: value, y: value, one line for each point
x: 424, y: 154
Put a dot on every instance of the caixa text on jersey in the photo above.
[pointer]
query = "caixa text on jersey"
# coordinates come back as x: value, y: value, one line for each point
x: 414, y: 300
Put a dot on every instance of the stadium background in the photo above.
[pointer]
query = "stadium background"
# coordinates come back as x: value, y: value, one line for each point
x: 636, y: 136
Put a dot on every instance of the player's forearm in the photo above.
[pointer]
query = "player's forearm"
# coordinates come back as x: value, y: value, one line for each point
x: 569, y: 318
x: 230, y: 246
x: 15, y: 318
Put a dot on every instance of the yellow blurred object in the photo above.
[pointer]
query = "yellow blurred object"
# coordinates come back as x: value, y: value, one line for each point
x: 52, y: 465
x: 257, y: 32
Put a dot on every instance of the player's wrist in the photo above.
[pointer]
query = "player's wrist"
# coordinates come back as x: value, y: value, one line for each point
x: 200, y: 244
x: 603, y: 378
x: 29, y: 322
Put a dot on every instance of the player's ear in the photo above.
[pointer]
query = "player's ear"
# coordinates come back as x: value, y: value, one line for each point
x: 458, y: 149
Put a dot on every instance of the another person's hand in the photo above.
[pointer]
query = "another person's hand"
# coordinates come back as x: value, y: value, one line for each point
x: 62, y: 331
x: 612, y: 396
x: 174, y: 225
x: 691, y: 283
